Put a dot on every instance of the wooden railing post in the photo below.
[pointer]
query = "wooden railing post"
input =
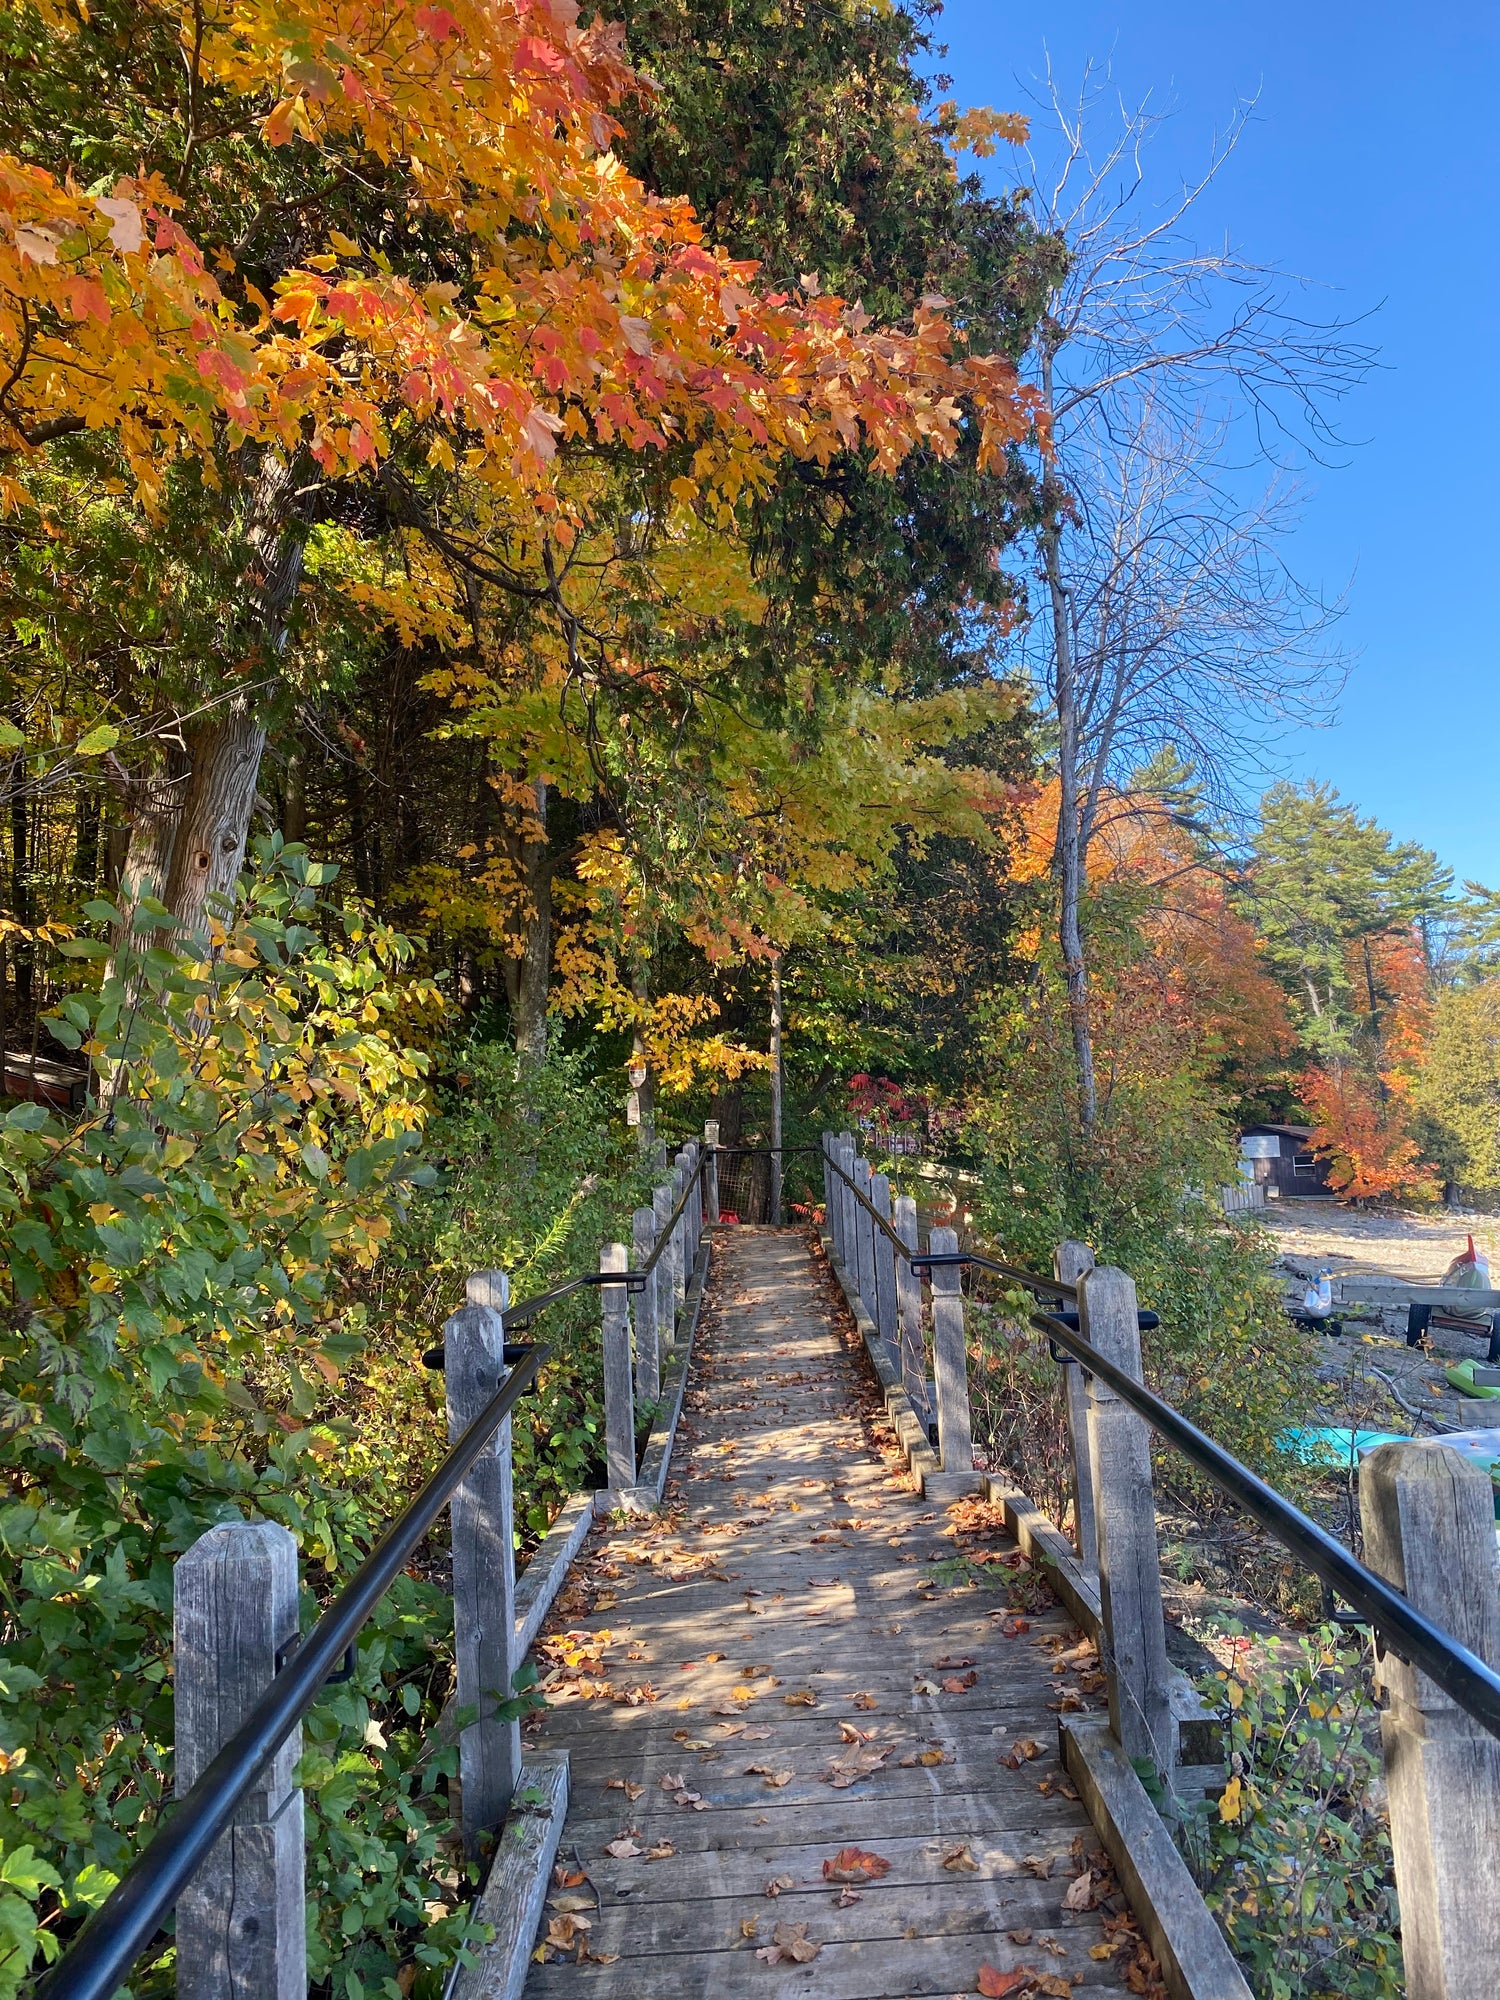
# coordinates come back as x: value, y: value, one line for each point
x: 242, y: 1920
x: 619, y: 1397
x: 1134, y: 1636
x: 909, y: 1307
x: 666, y: 1284
x: 1429, y: 1522
x: 883, y: 1305
x: 864, y: 1239
x: 832, y: 1207
x: 643, y: 1306
x: 482, y: 1523
x: 711, y: 1176
x: 950, y: 1358
x: 848, y: 1243
x: 692, y: 1215
x: 679, y: 1236
x: 1069, y: 1262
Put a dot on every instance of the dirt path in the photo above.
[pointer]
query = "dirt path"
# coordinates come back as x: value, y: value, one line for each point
x: 800, y: 1662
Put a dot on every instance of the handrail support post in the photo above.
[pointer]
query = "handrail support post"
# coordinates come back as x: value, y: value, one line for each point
x: 1429, y: 1524
x: 484, y: 1562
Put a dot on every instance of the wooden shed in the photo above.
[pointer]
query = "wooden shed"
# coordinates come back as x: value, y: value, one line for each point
x: 1281, y: 1158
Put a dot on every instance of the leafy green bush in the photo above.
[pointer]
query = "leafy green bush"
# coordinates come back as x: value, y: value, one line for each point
x: 533, y: 1179
x: 1294, y: 1858
x: 173, y: 1264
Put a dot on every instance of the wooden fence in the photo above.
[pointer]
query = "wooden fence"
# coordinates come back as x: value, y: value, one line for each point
x: 241, y: 1923
x: 1428, y: 1516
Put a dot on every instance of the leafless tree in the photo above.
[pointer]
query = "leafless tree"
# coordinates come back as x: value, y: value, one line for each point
x: 1175, y: 380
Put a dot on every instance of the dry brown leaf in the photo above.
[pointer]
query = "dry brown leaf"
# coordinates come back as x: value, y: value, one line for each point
x: 1079, y: 1892
x: 790, y: 1942
x: 800, y: 1698
x: 1102, y: 1951
x: 749, y: 1926
x: 628, y: 1786
x: 959, y: 1683
x: 845, y: 1771
x: 570, y: 1905
x: 865, y: 1701
x: 776, y: 1884
x: 671, y: 1781
x: 960, y: 1861
x: 1019, y: 1937
x: 566, y: 1930
x: 845, y: 1897
x: 663, y: 1851
x: 1039, y: 1865
x: 623, y: 1849
x: 851, y: 1734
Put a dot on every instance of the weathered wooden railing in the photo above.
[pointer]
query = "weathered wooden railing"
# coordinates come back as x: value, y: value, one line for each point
x: 230, y: 1857
x: 1430, y: 1591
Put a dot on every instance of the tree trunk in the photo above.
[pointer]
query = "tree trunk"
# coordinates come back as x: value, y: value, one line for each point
x: 776, y: 1086
x: 1068, y: 855
x: 213, y: 822
x: 642, y: 1083
x: 528, y: 972
x: 188, y: 834
x: 294, y: 797
x: 20, y: 894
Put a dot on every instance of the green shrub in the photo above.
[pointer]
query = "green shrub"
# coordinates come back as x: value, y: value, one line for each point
x: 1295, y: 1858
x: 172, y: 1292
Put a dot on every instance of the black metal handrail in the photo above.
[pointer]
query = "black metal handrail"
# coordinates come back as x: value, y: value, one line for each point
x: 929, y: 1260
x: 99, y: 1960
x: 1460, y: 1673
x: 516, y: 1318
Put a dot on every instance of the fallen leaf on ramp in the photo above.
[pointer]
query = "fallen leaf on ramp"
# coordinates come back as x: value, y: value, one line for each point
x: 845, y: 1771
x: 628, y: 1786
x: 959, y: 1860
x: 855, y: 1864
x: 776, y: 1884
x: 623, y: 1849
x: 662, y: 1851
x: 998, y: 1985
x: 1021, y: 1752
x: 790, y: 1942
x: 1079, y: 1892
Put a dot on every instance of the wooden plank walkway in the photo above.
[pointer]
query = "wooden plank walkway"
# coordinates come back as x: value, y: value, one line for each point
x: 800, y: 1618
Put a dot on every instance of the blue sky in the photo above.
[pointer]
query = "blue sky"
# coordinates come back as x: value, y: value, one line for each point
x: 1372, y: 167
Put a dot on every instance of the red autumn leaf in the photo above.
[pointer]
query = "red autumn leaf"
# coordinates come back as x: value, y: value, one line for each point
x: 855, y: 1864
x: 996, y: 1985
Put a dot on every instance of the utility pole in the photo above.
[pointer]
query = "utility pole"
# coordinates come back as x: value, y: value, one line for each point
x: 776, y: 1090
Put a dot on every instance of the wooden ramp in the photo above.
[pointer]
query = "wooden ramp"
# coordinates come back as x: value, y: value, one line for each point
x: 802, y: 1618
